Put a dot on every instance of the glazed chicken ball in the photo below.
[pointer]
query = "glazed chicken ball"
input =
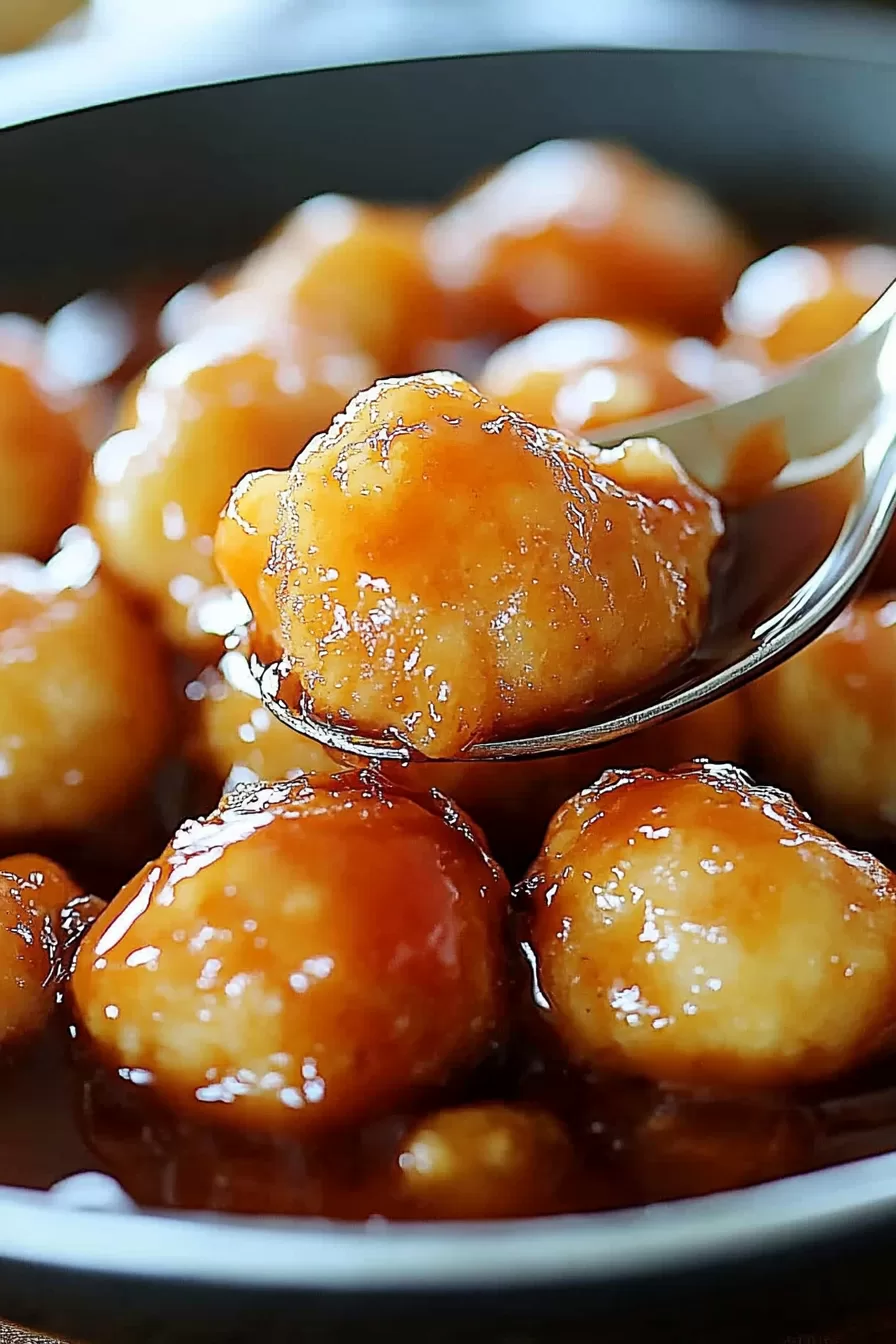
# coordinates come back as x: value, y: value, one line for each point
x: 692, y: 927
x: 825, y: 721
x: 572, y: 228
x: 445, y: 570
x: 799, y: 300
x: 43, y: 462
x: 309, y: 955
x: 586, y: 373
x: 84, y: 701
x: 485, y: 1161
x: 355, y: 274
x: 33, y: 895
x: 227, y: 401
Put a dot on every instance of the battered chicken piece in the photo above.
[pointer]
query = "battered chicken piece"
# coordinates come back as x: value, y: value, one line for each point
x: 234, y: 397
x: 445, y: 570
x: 355, y: 274
x: 573, y: 228
x: 33, y: 895
x: 43, y: 462
x: 825, y: 721
x: 85, y: 708
x: 692, y: 927
x: 309, y: 956
x: 799, y: 300
x: 584, y: 374
x: 486, y: 1161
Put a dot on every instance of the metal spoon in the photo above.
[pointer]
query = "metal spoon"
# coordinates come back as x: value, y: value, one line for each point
x: 837, y: 408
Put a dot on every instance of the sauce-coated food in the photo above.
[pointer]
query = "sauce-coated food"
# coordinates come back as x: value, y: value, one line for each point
x: 694, y: 928
x: 448, y: 571
x: 309, y: 955
x: 323, y: 995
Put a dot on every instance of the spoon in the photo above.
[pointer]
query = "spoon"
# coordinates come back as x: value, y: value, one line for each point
x: 835, y: 413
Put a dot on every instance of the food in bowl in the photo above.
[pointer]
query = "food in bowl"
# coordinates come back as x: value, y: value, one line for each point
x: 451, y: 989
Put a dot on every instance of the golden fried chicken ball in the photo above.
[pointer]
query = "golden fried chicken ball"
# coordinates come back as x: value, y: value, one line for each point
x: 825, y: 721
x: 484, y: 1161
x: 33, y: 894
x: 230, y: 399
x: 84, y: 700
x: 585, y: 373
x: 797, y: 301
x: 355, y: 274
x: 692, y: 927
x: 43, y: 463
x: 309, y: 955
x: 445, y: 570
x: 573, y: 228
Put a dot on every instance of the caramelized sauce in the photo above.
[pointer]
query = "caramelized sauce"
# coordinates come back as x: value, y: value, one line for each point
x: 64, y: 1112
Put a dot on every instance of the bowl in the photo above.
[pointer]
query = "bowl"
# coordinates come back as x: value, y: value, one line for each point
x: 797, y: 145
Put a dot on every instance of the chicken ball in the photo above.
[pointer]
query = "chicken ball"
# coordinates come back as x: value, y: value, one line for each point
x: 572, y: 228
x: 308, y: 956
x: 485, y: 1161
x: 225, y: 402
x: 84, y: 699
x: 693, y: 927
x: 799, y: 300
x: 43, y: 463
x: 586, y: 373
x: 355, y: 274
x: 825, y: 721
x: 33, y: 894
x: 445, y: 570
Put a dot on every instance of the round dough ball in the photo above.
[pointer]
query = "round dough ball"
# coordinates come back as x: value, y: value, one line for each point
x: 825, y: 721
x: 485, y: 1161
x: 577, y: 229
x: 558, y: 577
x: 43, y: 463
x: 799, y: 300
x: 33, y: 894
x: 308, y: 956
x: 584, y: 374
x: 355, y: 274
x: 84, y: 698
x: 695, y: 928
x: 227, y: 401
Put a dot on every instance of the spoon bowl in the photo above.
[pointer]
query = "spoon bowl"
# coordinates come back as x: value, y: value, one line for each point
x: 825, y: 437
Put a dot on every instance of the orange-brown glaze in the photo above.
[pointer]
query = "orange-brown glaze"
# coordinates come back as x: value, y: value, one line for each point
x: 354, y: 274
x: 84, y: 701
x: 484, y: 1161
x: 692, y: 927
x: 577, y: 229
x: 43, y: 463
x: 586, y: 373
x: 690, y: 1143
x: 33, y: 894
x: 797, y: 301
x: 825, y: 721
x: 229, y: 400
x: 308, y: 956
x: 444, y: 569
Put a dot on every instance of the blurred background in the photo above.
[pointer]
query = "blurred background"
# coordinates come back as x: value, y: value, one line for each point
x: 56, y: 54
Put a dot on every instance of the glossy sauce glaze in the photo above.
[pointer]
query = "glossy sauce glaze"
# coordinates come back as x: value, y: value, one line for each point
x: 323, y: 998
